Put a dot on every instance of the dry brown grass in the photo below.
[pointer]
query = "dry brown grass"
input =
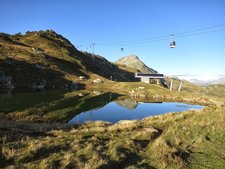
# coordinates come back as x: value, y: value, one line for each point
x: 8, y: 152
x: 169, y: 141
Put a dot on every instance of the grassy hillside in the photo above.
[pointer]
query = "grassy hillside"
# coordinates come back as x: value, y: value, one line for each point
x: 47, y: 56
x: 216, y: 90
x: 192, y: 139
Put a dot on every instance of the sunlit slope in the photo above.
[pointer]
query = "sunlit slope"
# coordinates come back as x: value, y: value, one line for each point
x: 134, y: 62
x: 49, y: 56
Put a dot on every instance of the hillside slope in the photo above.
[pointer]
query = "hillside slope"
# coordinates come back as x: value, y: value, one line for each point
x: 45, y: 57
x: 208, y: 82
x: 216, y: 90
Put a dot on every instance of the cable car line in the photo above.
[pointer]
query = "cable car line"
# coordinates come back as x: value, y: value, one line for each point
x: 137, y: 40
x: 165, y: 37
x: 200, y: 29
x: 199, y: 33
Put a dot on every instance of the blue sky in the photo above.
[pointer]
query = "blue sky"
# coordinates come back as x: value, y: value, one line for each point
x: 111, y: 23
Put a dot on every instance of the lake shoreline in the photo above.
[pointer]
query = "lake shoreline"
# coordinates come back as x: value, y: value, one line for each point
x: 95, y: 144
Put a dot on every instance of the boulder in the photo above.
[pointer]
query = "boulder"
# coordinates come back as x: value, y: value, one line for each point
x: 97, y: 81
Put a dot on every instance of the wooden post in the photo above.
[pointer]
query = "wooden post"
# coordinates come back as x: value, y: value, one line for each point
x: 171, y: 84
x: 157, y: 82
x: 181, y: 82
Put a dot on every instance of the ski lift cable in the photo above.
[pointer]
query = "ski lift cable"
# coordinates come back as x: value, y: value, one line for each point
x: 137, y: 40
x: 200, y: 29
x: 165, y: 37
x: 199, y: 33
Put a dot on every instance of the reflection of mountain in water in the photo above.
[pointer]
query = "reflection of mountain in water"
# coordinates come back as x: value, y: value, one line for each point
x: 127, y: 103
x: 183, y: 105
x: 52, y: 106
x: 97, y: 102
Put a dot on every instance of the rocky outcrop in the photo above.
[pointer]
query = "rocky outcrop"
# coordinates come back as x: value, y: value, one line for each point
x: 97, y: 81
x: 6, y: 82
x: 39, y: 84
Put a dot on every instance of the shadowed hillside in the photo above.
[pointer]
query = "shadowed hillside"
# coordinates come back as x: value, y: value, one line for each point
x: 49, y: 58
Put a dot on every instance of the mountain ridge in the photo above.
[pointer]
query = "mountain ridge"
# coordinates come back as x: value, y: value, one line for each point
x: 133, y: 61
x: 52, y: 59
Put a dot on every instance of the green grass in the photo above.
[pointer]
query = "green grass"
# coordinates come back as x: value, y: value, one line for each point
x: 62, y: 62
x: 192, y: 139
x: 216, y: 90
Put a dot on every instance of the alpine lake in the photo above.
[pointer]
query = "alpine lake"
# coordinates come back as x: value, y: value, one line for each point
x: 77, y: 107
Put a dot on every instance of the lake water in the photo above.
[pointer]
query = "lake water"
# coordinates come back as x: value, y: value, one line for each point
x: 131, y: 110
x: 76, y: 107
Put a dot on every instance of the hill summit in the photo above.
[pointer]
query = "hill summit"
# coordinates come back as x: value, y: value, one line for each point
x: 133, y: 61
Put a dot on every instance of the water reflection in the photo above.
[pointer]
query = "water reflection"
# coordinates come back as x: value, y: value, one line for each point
x: 127, y: 103
x: 52, y: 106
x: 80, y: 106
x: 127, y: 109
x: 10, y: 102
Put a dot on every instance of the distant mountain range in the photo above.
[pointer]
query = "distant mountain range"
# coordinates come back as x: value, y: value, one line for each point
x: 208, y: 82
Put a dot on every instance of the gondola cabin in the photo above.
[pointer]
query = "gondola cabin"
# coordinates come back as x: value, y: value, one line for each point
x: 172, y: 44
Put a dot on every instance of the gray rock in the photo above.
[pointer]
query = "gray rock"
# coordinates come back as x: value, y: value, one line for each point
x: 97, y: 81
